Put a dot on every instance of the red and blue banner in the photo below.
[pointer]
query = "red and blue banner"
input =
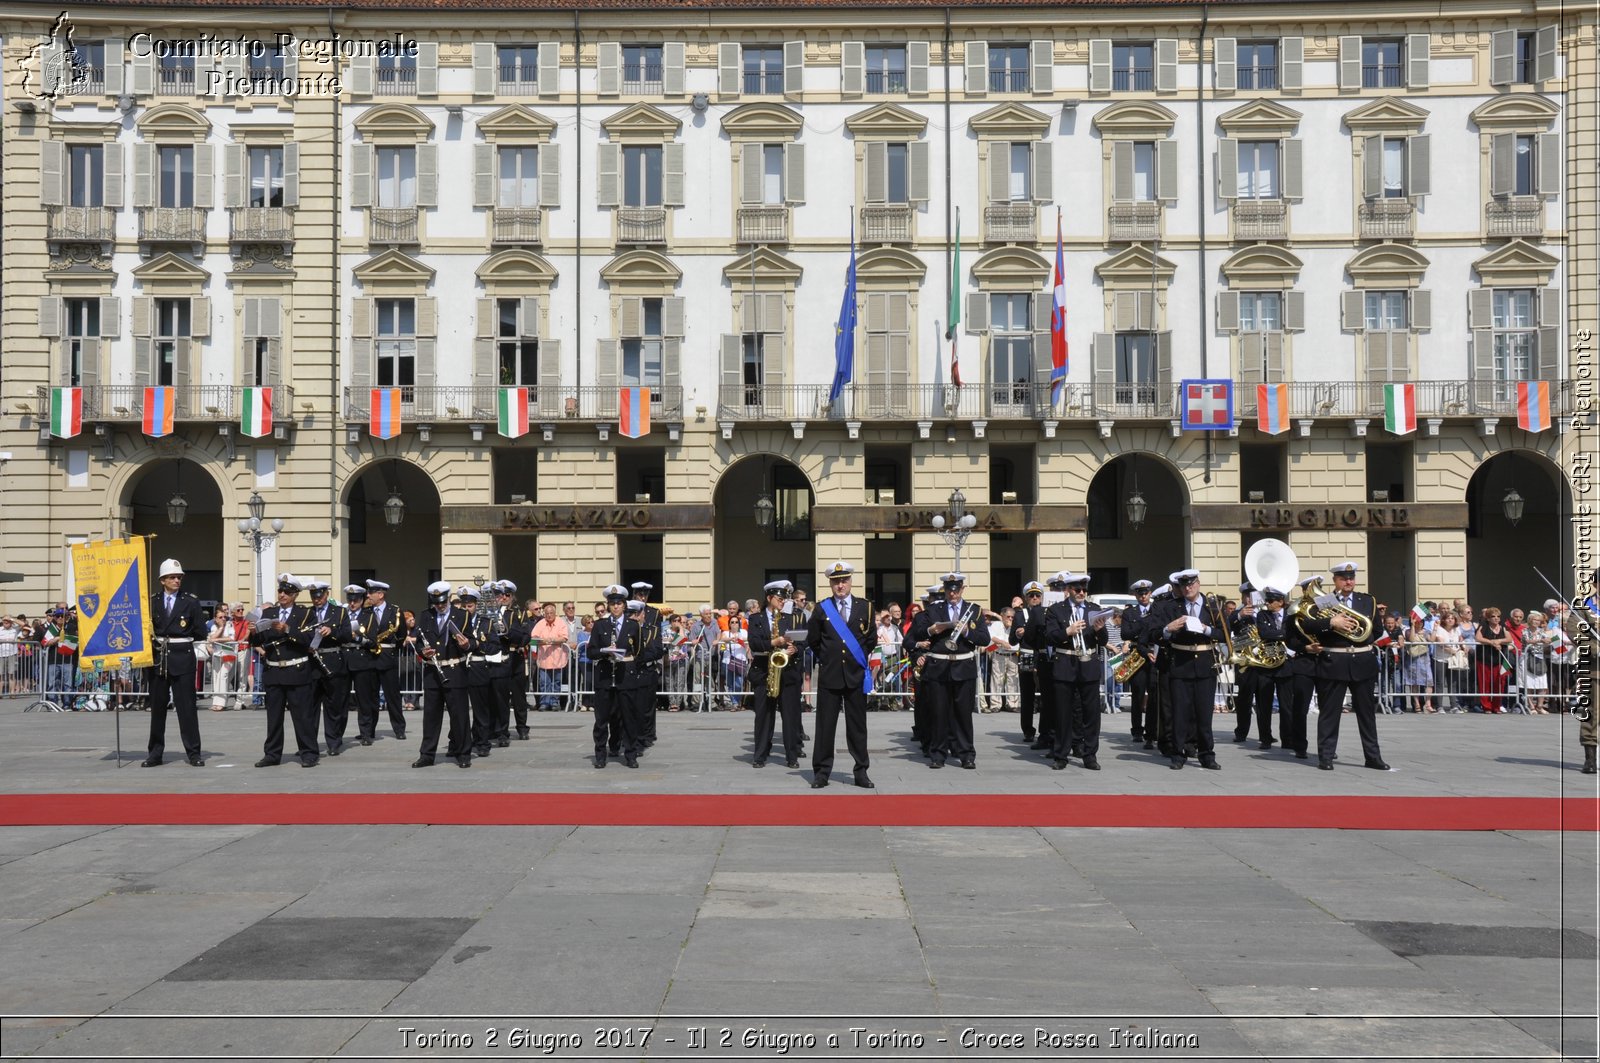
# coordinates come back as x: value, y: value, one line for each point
x: 159, y: 405
x: 633, y: 412
x: 1272, y: 408
x: 1058, y: 322
x: 385, y: 418
x: 1533, y: 405
x: 1207, y: 405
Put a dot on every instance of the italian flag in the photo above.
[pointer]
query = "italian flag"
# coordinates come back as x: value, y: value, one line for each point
x: 255, y: 412
x: 1400, y: 408
x: 513, y: 406
x: 66, y: 412
x: 1421, y: 613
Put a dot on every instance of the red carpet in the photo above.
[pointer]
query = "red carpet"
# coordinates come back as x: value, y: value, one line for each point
x: 844, y: 806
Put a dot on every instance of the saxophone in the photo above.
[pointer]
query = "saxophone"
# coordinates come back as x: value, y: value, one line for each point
x: 376, y: 649
x: 776, y: 660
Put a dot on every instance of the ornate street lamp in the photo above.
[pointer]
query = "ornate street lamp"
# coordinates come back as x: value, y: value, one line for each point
x: 956, y: 531
x: 177, y: 510
x: 1512, y: 506
x: 763, y: 511
x: 394, y: 510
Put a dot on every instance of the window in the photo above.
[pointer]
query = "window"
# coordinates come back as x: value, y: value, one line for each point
x: 83, y: 328
x: 641, y: 175
x: 260, y: 360
x: 397, y: 177
x: 1133, y: 67
x: 763, y: 70
x: 85, y: 175
x: 396, y: 75
x: 897, y: 185
x: 519, y: 67
x: 172, y: 330
x: 772, y: 175
x: 1394, y: 167
x: 1010, y: 347
x: 396, y: 342
x: 1008, y: 68
x: 1257, y: 65
x: 90, y: 60
x: 519, y: 177
x: 1260, y: 312
x: 175, y: 75
x: 641, y: 355
x: 886, y: 69
x: 792, y: 502
x: 266, y: 177
x: 1386, y: 312
x: 268, y: 66
x: 1136, y: 367
x: 1144, y: 171
x: 751, y: 358
x: 1516, y: 336
x: 1381, y: 64
x: 1524, y: 182
x: 177, y: 177
x: 641, y: 69
x: 518, y: 354
x: 1258, y: 169
x: 1021, y: 170
x: 1525, y: 59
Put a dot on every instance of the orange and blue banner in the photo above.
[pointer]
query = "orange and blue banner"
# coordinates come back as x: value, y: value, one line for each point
x: 1272, y: 408
x: 1533, y: 405
x: 159, y: 404
x: 385, y: 418
x: 633, y: 412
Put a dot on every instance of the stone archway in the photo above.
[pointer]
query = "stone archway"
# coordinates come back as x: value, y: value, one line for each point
x: 197, y: 543
x: 1501, y: 555
x: 1118, y: 552
x: 747, y: 557
x: 407, y: 556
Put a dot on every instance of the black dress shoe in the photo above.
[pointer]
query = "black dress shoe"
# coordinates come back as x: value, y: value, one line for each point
x: 1237, y: 737
x: 1028, y: 736
x: 792, y: 764
x: 151, y: 762
x: 1377, y: 765
x: 1057, y: 765
x: 819, y: 782
x: 1300, y: 754
x: 1265, y: 745
x: 463, y: 762
x: 864, y: 782
x: 1137, y: 736
x: 366, y: 741
x: 522, y: 734
x: 630, y: 761
x: 196, y: 762
x: 1039, y: 743
x: 1210, y: 764
x: 1175, y: 763
x: 399, y: 736
x: 422, y: 762
x: 936, y: 763
x: 969, y: 763
x: 1149, y: 744
x: 1324, y: 763
x: 308, y: 762
x: 481, y: 751
x: 502, y: 743
x: 600, y: 760
x: 1092, y: 763
x: 759, y: 762
x: 266, y: 762
x: 335, y: 752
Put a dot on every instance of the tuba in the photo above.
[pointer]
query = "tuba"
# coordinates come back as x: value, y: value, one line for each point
x: 1269, y: 563
x: 1309, y: 608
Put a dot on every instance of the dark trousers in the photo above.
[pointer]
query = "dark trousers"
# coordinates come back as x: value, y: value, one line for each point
x: 503, y: 689
x: 853, y: 703
x: 1028, y: 683
x: 302, y: 715
x: 1166, y: 735
x: 786, y: 705
x: 1330, y: 707
x: 1193, y: 701
x: 1269, y: 684
x: 951, y: 703
x: 1139, y: 706
x: 480, y: 697
x: 519, y: 696
x: 1295, y: 710
x: 436, y: 701
x: 1244, y: 702
x: 1077, y: 720
x: 639, y: 703
x: 613, y: 724
x: 180, y: 691
x: 1048, y: 711
x: 367, y: 685
x: 921, y: 724
x: 332, y: 694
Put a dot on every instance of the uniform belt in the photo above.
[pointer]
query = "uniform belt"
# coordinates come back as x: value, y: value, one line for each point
x: 1086, y: 655
x: 172, y: 642
x: 451, y: 663
x: 329, y: 649
x: 950, y: 656
x: 1347, y: 649
x: 287, y: 664
x: 490, y: 658
x: 1197, y: 647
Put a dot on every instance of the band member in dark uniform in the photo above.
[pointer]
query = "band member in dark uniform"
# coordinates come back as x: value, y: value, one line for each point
x: 480, y: 671
x: 609, y: 641
x: 1244, y: 676
x: 176, y: 620
x: 283, y: 637
x: 952, y: 633
x: 1347, y: 663
x: 1302, y: 674
x: 647, y: 668
x: 1139, y: 683
x: 381, y: 635
x: 329, y: 630
x: 841, y: 634
x: 1029, y: 679
x: 509, y: 676
x: 1191, y: 631
x: 1044, y: 661
x: 773, y: 630
x: 1271, y: 622
x: 444, y: 645
x: 921, y: 713
x: 1077, y: 672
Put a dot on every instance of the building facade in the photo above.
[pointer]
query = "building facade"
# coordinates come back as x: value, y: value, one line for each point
x: 568, y: 203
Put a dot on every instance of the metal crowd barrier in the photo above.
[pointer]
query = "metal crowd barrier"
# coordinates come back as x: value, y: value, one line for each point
x: 1462, y: 681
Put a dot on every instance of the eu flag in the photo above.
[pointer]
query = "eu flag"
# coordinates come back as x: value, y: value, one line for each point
x: 844, y: 333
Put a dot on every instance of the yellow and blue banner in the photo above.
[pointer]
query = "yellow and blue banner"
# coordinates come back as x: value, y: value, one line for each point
x: 113, y: 609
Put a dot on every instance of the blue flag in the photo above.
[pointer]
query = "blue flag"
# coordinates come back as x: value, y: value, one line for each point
x: 844, y: 333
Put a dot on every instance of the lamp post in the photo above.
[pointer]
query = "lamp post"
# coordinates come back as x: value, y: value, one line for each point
x: 250, y: 531
x: 959, y: 526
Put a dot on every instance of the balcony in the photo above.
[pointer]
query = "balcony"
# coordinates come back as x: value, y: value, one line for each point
x: 763, y: 225
x: 261, y: 225
x: 934, y: 402
x: 1008, y: 80
x: 1011, y: 223
x: 172, y: 225
x: 394, y: 81
x: 517, y: 225
x: 175, y: 81
x: 1387, y: 219
x: 86, y: 224
x: 473, y: 404
x: 1134, y: 221
x: 124, y: 403
x: 642, y: 79
x: 1517, y: 216
x: 515, y: 80
x: 642, y: 225
x: 886, y: 225
x: 393, y: 225
x: 1260, y: 219
x: 1435, y: 398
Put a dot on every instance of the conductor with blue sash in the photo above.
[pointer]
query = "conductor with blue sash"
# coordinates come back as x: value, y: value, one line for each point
x: 840, y: 634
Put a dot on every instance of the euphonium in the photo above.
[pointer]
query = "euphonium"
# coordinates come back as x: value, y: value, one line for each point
x: 1132, y: 661
x: 1308, y: 608
x: 776, y: 660
x: 1250, y: 652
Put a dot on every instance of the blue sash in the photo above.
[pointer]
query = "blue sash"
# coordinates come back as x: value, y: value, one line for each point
x: 849, y: 639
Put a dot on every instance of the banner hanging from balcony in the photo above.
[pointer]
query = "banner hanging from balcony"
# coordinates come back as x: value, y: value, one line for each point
x: 109, y: 581
x: 953, y: 318
x: 66, y: 412
x: 1533, y: 405
x: 1400, y: 408
x: 1272, y: 408
x: 513, y: 407
x: 1058, y: 323
x: 1207, y: 405
x: 255, y: 412
x: 385, y: 417
x: 633, y: 412
x: 158, y: 410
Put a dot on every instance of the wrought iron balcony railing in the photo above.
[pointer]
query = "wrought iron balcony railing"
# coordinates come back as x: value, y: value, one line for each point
x: 1134, y: 221
x: 763, y: 225
x: 97, y: 224
x: 886, y: 224
x: 261, y: 225
x: 1435, y: 398
x: 642, y: 225
x: 172, y: 225
x: 1260, y: 219
x: 479, y: 404
x: 517, y: 225
x: 124, y: 403
x: 1517, y: 216
x: 1387, y: 219
x: 394, y: 225
x: 1016, y: 222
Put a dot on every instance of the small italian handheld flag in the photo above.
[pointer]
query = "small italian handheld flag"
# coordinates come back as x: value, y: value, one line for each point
x: 255, y: 412
x: 513, y: 407
x: 1421, y: 613
x: 1400, y: 408
x: 66, y: 412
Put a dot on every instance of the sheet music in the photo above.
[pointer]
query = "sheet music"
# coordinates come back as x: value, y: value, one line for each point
x: 1194, y: 623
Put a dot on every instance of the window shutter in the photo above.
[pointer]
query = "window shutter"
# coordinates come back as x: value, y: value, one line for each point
x: 204, y: 196
x: 1291, y: 62
x: 977, y: 313
x: 1167, y: 64
x: 794, y: 67
x: 428, y: 68
x: 1125, y: 311
x: 877, y: 172
x: 1549, y: 175
x: 975, y: 58
x: 632, y: 317
x: 250, y: 327
x: 672, y: 174
x: 529, y: 312
x: 549, y: 68
x: 143, y: 312
x: 549, y: 176
x: 1225, y: 63
x: 182, y: 373
x: 272, y: 317
x: 672, y: 60
x: 1352, y: 311
x: 1122, y: 171
x: 1480, y: 308
x: 291, y: 68
x: 50, y: 317
x: 1294, y: 310
x: 1502, y: 163
x: 52, y: 173
x: 671, y: 362
x: 1250, y: 369
x: 732, y: 364
x: 427, y: 316
x: 794, y: 173
x: 361, y: 156
x: 1371, y: 167
x: 488, y: 319
x: 1041, y: 160
x: 917, y: 157
x: 852, y: 67
x: 672, y: 315
x: 1227, y: 168
x: 1043, y: 357
x: 113, y: 54
x: 1417, y: 46
x: 144, y: 175
x: 1418, y: 182
x: 1550, y: 308
x: 1103, y: 363
x: 877, y: 311
x: 361, y: 75
x: 360, y: 370
x: 750, y: 313
x: 1100, y: 65
x: 1274, y: 357
x: 427, y: 375
x: 773, y: 317
x: 361, y: 314
x: 485, y: 68
x: 233, y: 176
x: 235, y: 67
x: 729, y: 69
x: 89, y: 371
x: 199, y: 317
x: 750, y: 174
x: 483, y: 175
x: 1293, y: 185
x: 144, y: 73
x: 549, y: 376
x: 608, y: 62
x: 110, y: 317
x: 291, y: 175
x: 1502, y: 57
x: 899, y: 347
x: 1545, y: 44
x: 484, y: 371
x: 1421, y: 310
x: 1167, y: 170
x: 1387, y: 357
x: 1227, y: 311
x: 999, y: 171
x: 1350, y: 63
x: 1482, y: 355
x: 1042, y: 55
x: 1163, y: 368
x: 917, y: 68
x: 111, y: 189
x: 427, y: 175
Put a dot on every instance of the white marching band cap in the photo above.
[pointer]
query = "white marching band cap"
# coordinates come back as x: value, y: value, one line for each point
x: 1140, y: 586
x: 1344, y: 568
x: 1188, y: 575
x: 1246, y: 587
x: 376, y: 585
x: 1307, y: 582
x: 1059, y: 578
x: 439, y: 589
x: 467, y: 592
x: 170, y: 567
x: 1163, y: 591
x: 316, y: 585
x: 1273, y: 594
x: 953, y: 577
x: 355, y: 590
x: 506, y: 587
x: 643, y: 586
x: 1077, y: 577
x: 840, y: 569
x: 287, y: 582
x: 635, y: 606
x: 1032, y: 587
x: 779, y: 586
x: 615, y: 590
x: 934, y: 590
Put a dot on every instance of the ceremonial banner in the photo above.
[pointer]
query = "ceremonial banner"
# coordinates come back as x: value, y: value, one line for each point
x: 1207, y: 405
x: 633, y: 412
x: 66, y: 412
x: 1400, y: 408
x: 385, y: 417
x: 513, y: 410
x: 1533, y: 405
x: 954, y: 317
x: 158, y: 410
x: 1272, y: 408
x: 1058, y: 322
x: 255, y: 412
x: 113, y: 609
